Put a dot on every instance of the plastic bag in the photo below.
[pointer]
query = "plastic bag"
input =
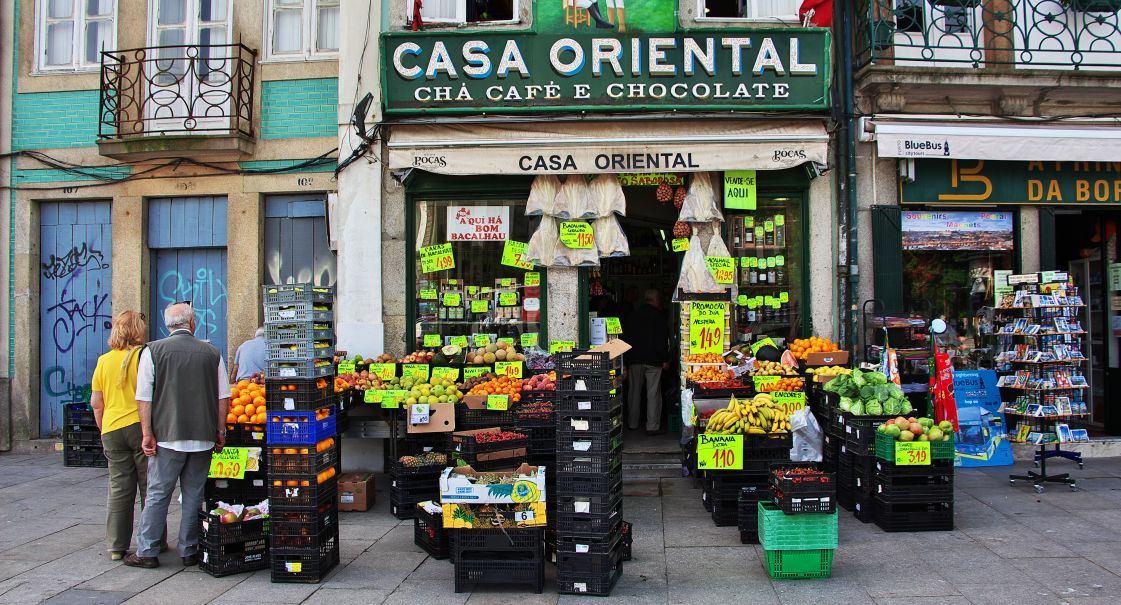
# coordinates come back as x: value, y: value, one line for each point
x: 539, y: 251
x: 574, y: 199
x: 807, y: 437
x: 542, y: 195
x: 608, y: 196
x: 717, y: 247
x: 700, y: 201
x: 610, y: 239
x: 695, y: 276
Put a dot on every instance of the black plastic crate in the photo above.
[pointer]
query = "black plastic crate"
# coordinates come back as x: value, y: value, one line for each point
x: 467, y: 419
x: 466, y: 445
x: 595, y: 584
x: 249, y: 491
x: 244, y: 434
x: 590, y: 563
x: 725, y: 513
x: 863, y: 508
x: 483, y: 542
x: 413, y: 491
x: 307, y: 521
x: 234, y: 558
x: 404, y: 510
x: 80, y: 414
x: 587, y: 483
x: 288, y: 496
x: 931, y: 516
x: 589, y: 442
x: 583, y: 504
x: 288, y: 537
x: 497, y: 464
x: 602, y: 544
x: 749, y: 536
x: 576, y: 463
x: 301, y: 459
x: 500, y: 568
x: 935, y: 468
x: 400, y: 471
x: 760, y: 451
x: 588, y: 404
x: 814, y: 492
x: 82, y: 438
x: 860, y: 432
x: 589, y: 525
x: 536, y: 409
x: 308, y: 567
x: 582, y: 363
x: 282, y: 294
x: 213, y: 532
x: 846, y: 497
x: 429, y: 532
x: 727, y: 485
x: 84, y: 457
x: 899, y: 490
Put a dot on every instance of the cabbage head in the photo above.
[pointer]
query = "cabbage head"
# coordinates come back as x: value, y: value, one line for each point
x: 874, y: 408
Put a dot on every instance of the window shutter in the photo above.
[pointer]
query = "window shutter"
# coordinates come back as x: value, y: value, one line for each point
x: 887, y: 256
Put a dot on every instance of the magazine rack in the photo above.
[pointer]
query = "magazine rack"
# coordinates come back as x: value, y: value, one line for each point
x: 1046, y: 387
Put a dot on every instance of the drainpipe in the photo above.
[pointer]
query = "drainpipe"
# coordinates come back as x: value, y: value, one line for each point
x: 846, y: 156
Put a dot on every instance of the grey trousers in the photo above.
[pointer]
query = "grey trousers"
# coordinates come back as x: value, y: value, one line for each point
x: 128, y: 474
x: 637, y: 374
x: 165, y: 469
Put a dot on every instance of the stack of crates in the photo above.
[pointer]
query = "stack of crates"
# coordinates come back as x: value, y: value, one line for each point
x: 81, y: 439
x: 410, y: 485
x: 913, y: 497
x: 589, y: 474
x: 304, y: 446
x: 722, y: 490
x: 748, y: 511
x: 240, y: 546
x: 855, y: 462
x: 498, y: 556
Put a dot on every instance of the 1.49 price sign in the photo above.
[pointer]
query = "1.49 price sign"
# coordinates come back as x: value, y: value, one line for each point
x: 706, y: 327
x: 719, y: 452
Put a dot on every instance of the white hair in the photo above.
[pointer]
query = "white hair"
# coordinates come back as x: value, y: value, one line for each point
x: 178, y: 315
x: 260, y: 332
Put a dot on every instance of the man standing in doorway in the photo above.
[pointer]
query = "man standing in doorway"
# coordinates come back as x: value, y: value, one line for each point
x: 182, y: 394
x: 648, y: 336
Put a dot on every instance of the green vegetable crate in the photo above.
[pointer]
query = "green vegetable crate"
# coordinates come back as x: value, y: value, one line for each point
x: 808, y: 531
x: 885, y: 448
x: 799, y: 564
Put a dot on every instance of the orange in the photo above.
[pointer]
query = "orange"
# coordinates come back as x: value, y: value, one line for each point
x: 250, y: 409
x: 258, y: 400
x: 238, y: 410
x: 291, y: 483
x: 277, y: 483
x: 231, y: 418
x: 243, y: 418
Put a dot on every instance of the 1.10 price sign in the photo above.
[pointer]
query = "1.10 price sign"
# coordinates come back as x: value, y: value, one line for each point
x: 719, y: 452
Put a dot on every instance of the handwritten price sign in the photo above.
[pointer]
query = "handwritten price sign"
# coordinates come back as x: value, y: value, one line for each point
x: 346, y: 367
x: 613, y: 325
x: 431, y: 340
x: 790, y: 401
x: 415, y: 371
x: 576, y: 234
x: 513, y: 254
x: 480, y: 305
x: 474, y: 371
x: 558, y: 346
x: 507, y: 299
x: 532, y: 278
x: 762, y: 383
x: 499, y: 403
x: 706, y: 327
x: 512, y: 369
x: 384, y: 371
x: 528, y: 340
x: 229, y: 463
x: 436, y: 258
x: 719, y: 452
x: 453, y: 299
x: 680, y: 244
x: 912, y: 453
x: 723, y: 268
x: 445, y: 374
x: 482, y: 340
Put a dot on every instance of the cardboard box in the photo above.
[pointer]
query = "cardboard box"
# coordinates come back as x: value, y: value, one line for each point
x: 489, y: 516
x: 614, y: 348
x: 836, y: 358
x: 459, y: 485
x: 441, y: 419
x: 356, y: 491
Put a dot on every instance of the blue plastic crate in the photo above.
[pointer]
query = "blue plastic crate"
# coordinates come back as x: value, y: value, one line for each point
x: 299, y: 428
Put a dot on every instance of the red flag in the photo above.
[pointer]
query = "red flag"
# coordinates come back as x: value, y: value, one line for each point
x: 942, y: 388
x: 820, y: 13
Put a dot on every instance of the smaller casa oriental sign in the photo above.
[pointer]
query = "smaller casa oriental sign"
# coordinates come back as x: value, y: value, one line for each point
x: 477, y: 72
x: 478, y: 223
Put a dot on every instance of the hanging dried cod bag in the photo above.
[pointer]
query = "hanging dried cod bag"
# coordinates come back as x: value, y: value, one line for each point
x: 717, y: 247
x: 610, y: 239
x: 539, y: 251
x: 607, y: 195
x: 695, y: 276
x: 542, y: 195
x: 574, y: 199
x: 700, y: 202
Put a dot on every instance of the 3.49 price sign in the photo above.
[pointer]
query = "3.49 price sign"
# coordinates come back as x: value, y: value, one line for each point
x: 719, y: 452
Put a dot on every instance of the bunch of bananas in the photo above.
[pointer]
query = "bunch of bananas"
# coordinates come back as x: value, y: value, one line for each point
x: 757, y: 416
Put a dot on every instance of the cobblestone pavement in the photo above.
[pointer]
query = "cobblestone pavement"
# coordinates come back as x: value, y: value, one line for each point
x: 1010, y: 545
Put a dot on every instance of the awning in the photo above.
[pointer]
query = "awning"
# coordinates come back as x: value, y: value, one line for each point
x: 1044, y: 142
x: 607, y: 146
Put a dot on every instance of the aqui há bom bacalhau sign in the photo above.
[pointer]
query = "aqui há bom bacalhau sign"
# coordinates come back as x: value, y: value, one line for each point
x: 475, y: 72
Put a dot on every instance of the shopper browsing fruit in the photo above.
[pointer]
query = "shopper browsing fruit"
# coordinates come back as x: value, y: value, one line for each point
x: 114, y: 410
x: 182, y: 395
x: 250, y: 357
x: 648, y: 335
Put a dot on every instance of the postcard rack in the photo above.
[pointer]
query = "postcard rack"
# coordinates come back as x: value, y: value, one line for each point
x: 1041, y: 338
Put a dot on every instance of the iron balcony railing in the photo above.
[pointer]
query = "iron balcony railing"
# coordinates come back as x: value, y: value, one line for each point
x: 177, y: 90
x: 1017, y: 34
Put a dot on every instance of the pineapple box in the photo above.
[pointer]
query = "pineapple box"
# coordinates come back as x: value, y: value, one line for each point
x: 493, y: 516
x: 463, y: 484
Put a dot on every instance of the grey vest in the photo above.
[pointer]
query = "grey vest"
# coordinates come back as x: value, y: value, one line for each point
x: 185, y: 394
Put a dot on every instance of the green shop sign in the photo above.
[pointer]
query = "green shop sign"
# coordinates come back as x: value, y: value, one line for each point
x: 988, y: 182
x: 726, y: 69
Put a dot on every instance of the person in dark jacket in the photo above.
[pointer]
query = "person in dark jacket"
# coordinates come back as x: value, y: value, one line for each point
x: 648, y: 335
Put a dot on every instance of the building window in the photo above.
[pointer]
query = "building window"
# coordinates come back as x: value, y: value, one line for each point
x: 303, y: 29
x: 72, y: 33
x: 465, y: 11
x: 785, y: 10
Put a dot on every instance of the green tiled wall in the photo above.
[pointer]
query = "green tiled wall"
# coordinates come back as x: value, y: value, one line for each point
x: 292, y: 109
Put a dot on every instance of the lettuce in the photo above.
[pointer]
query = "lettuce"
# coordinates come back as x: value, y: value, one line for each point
x: 857, y: 408
x: 906, y: 409
x: 873, y: 408
x: 875, y: 378
x: 846, y: 403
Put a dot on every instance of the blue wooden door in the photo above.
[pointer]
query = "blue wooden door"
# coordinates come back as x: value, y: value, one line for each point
x: 75, y: 303
x: 187, y: 237
x: 296, y: 245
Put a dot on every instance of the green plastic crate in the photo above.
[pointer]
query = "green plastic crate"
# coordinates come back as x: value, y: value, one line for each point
x: 885, y: 448
x: 799, y: 564
x: 804, y: 531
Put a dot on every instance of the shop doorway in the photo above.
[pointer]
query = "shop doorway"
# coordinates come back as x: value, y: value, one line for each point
x: 617, y: 289
x: 1086, y: 246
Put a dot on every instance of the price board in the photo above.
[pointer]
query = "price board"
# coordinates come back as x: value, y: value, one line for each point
x: 722, y: 268
x: 508, y: 341
x: 415, y: 371
x: 706, y: 327
x: 513, y: 369
x: 452, y: 299
x: 473, y: 371
x: 533, y: 278
x: 229, y: 463
x: 371, y: 396
x: 507, y: 299
x: 384, y: 371
x: 762, y: 383
x: 428, y: 294
x: 513, y: 254
x: 680, y: 244
x: 614, y: 326
x: 506, y: 282
x: 436, y: 258
x: 740, y: 189
x: 481, y: 340
x: 432, y: 340
x: 460, y: 341
x: 451, y: 374
x: 392, y: 398
x: 346, y: 367
x: 719, y: 452
x: 472, y: 290
x: 558, y: 346
x: 499, y: 403
x: 789, y: 401
x: 912, y: 453
x: 529, y: 339
x: 480, y: 305
x: 576, y: 235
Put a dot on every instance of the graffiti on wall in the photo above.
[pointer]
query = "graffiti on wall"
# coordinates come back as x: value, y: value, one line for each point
x: 205, y: 291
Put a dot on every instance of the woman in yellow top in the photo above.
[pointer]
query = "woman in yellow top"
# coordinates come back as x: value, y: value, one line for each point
x: 114, y: 407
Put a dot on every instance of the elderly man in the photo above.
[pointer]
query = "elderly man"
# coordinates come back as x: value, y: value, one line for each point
x: 182, y: 395
x: 250, y: 357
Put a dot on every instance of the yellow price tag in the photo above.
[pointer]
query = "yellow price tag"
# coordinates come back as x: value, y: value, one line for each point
x: 415, y: 371
x: 558, y: 346
x: 723, y: 268
x: 576, y: 235
x: 706, y: 327
x: 512, y: 369
x: 459, y: 341
x: 371, y: 396
x: 436, y: 258
x: 346, y: 367
x: 507, y: 299
x: 762, y: 383
x: 473, y: 371
x: 513, y: 253
x: 482, y: 340
x: 384, y: 371
x: 428, y: 294
x: 432, y: 340
x: 789, y: 401
x: 499, y: 403
x: 229, y: 463
x: 446, y: 374
x: 533, y: 278
x: 912, y: 453
x: 480, y: 305
x: 453, y: 299
x: 614, y: 326
x: 719, y: 452
x: 680, y: 244
x: 529, y: 340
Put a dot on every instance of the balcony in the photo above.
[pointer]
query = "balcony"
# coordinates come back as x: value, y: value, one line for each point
x: 178, y: 101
